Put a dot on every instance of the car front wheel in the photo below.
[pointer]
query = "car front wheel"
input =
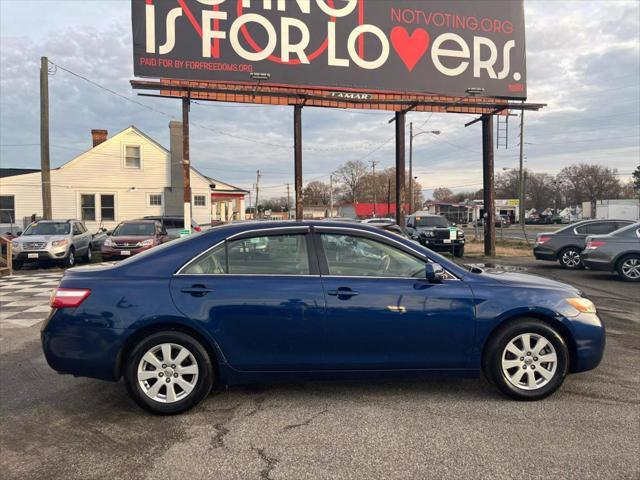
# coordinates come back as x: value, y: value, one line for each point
x: 168, y: 372
x: 527, y: 360
x: 629, y: 268
x: 70, y: 260
x: 570, y: 258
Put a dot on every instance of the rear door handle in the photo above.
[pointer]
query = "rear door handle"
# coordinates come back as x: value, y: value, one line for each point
x: 197, y: 290
x: 343, y: 292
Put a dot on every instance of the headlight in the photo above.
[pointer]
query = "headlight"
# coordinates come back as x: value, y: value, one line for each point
x: 460, y: 234
x: 59, y: 243
x: 583, y: 305
x: 108, y: 242
x: 146, y: 243
x: 429, y: 233
x: 16, y: 245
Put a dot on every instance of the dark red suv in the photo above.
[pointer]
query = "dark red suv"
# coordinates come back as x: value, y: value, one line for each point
x: 132, y: 237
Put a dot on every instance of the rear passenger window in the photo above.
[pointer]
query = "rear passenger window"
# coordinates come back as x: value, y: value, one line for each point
x: 267, y: 255
x: 601, y: 228
x: 272, y: 254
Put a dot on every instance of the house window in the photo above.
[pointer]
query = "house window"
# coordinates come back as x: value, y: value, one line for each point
x: 107, y: 207
x: 7, y: 209
x: 132, y: 157
x: 155, y: 199
x: 88, y: 207
x: 199, y: 201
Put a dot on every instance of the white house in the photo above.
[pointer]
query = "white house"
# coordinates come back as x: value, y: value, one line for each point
x: 124, y: 177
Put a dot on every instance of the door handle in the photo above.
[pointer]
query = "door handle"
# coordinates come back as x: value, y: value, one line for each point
x: 197, y: 290
x: 343, y: 292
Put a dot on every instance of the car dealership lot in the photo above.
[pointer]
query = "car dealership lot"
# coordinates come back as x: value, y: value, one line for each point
x: 60, y: 427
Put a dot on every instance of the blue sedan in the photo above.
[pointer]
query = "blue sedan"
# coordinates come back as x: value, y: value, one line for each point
x: 263, y: 302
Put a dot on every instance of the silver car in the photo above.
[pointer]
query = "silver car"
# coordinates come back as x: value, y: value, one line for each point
x: 60, y: 241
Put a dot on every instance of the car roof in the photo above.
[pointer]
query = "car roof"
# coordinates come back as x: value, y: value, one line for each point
x: 141, y: 220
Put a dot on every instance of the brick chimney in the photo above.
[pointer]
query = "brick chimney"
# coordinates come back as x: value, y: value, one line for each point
x: 98, y: 136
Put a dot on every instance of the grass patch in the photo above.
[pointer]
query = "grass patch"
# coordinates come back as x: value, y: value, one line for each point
x: 504, y: 248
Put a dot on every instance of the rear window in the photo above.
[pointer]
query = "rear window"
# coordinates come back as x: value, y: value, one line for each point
x: 48, y: 228
x: 135, y: 229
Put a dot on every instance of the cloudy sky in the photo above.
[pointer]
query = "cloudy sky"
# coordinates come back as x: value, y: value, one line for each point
x: 583, y: 60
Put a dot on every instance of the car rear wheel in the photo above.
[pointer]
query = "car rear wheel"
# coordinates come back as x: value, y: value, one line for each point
x: 629, y: 268
x: 570, y: 258
x: 527, y: 360
x: 168, y: 372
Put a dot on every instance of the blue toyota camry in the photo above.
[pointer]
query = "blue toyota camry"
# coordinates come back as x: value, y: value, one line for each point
x: 262, y: 302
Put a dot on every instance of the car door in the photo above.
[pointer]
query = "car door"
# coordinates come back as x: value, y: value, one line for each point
x: 260, y: 296
x: 382, y: 313
x: 79, y: 241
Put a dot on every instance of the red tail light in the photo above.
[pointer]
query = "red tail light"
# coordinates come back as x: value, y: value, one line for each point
x: 69, y: 297
x: 197, y: 229
x: 543, y: 239
x: 593, y: 244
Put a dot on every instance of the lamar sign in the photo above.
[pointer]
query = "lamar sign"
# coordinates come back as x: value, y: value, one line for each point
x: 429, y: 46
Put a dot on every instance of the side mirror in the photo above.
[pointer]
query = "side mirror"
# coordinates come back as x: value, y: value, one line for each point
x: 18, y: 233
x: 103, y: 230
x: 434, y: 273
x: 109, y: 232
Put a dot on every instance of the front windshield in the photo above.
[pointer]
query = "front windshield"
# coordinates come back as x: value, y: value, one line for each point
x: 431, y: 222
x: 145, y: 229
x: 48, y: 228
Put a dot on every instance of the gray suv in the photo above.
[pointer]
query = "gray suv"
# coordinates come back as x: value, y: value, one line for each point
x: 60, y: 241
x: 566, y: 244
x: 616, y: 252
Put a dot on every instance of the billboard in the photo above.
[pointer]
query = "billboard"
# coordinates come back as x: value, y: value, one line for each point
x: 416, y: 46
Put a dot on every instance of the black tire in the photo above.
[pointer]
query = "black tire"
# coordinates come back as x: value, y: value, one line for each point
x: 493, y: 356
x: 17, y: 265
x: 89, y: 255
x: 70, y: 260
x: 459, y: 252
x: 570, y: 258
x: 623, y: 265
x: 203, y: 384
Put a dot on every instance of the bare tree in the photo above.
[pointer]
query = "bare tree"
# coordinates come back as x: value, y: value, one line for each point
x: 588, y: 183
x: 442, y: 194
x: 352, y: 175
x: 316, y: 193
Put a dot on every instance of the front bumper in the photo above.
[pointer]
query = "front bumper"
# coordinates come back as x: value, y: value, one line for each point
x: 115, y: 252
x: 590, y: 339
x: 40, y: 255
x: 441, y: 244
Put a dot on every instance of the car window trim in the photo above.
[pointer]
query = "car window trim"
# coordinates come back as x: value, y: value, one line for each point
x: 322, y: 259
x: 300, y: 230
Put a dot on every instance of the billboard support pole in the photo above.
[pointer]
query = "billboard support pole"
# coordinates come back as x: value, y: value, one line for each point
x: 186, y: 163
x: 297, y: 153
x: 488, y: 186
x: 400, y: 174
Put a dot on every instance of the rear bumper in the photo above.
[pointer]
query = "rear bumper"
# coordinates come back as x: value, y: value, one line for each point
x: 544, y: 253
x: 593, y: 263
x: 79, y: 349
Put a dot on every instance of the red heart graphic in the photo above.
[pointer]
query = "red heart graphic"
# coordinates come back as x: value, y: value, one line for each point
x: 410, y: 48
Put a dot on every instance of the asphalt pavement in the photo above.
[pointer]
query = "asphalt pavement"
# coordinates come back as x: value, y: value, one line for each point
x: 54, y: 426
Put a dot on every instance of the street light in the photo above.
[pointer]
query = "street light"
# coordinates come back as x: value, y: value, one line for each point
x: 411, y: 137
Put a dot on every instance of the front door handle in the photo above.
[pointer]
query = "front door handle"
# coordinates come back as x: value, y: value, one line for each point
x: 344, y: 292
x: 197, y: 290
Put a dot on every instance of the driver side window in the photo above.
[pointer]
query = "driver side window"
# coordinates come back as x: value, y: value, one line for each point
x: 351, y: 256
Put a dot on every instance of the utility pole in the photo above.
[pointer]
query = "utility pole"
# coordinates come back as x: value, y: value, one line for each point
x: 488, y: 186
x: 45, y: 174
x: 186, y: 163
x: 521, y: 206
x: 389, y: 197
x: 297, y: 154
x: 373, y: 184
x: 411, y: 202
x: 256, y: 215
x: 288, y: 201
x: 400, y: 119
x: 331, y: 195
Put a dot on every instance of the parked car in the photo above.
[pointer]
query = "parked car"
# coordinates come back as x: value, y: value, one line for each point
x: 174, y: 224
x: 389, y: 225
x: 322, y: 300
x: 566, y: 244
x: 99, y: 238
x: 59, y: 241
x: 617, y: 252
x: 132, y: 237
x: 434, y: 232
x: 10, y: 231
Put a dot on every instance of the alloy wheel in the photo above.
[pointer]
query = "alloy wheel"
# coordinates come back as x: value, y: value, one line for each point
x: 571, y: 259
x: 72, y: 258
x: 529, y: 361
x: 167, y: 373
x: 631, y: 268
